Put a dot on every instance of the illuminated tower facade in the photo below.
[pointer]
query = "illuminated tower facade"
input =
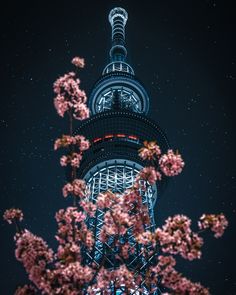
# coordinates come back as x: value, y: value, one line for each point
x: 117, y: 128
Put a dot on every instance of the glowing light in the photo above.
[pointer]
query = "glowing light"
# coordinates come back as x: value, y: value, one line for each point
x: 112, y: 136
x: 97, y: 139
x: 133, y: 137
x: 109, y: 136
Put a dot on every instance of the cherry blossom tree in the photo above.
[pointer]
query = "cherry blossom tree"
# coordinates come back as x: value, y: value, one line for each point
x: 65, y: 270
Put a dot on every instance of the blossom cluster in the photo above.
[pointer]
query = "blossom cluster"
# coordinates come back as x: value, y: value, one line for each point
x: 122, y: 213
x: 77, y: 188
x: 67, y: 140
x: 176, y: 237
x: 73, y: 159
x: 13, y: 214
x: 174, y: 280
x: 78, y: 62
x: 69, y: 278
x: 34, y: 254
x: 121, y: 278
x: 89, y: 207
x: 150, y: 151
x: 150, y: 174
x: 106, y: 200
x: 78, y: 143
x: 26, y: 290
x: 144, y: 238
x: 68, y: 215
x: 69, y: 97
x: 77, y: 273
x: 71, y: 228
x: 171, y: 164
x: 217, y: 223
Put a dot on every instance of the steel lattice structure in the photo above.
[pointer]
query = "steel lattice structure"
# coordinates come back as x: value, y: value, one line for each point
x: 116, y: 176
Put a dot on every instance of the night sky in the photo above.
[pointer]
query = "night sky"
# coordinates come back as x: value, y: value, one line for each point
x: 183, y: 52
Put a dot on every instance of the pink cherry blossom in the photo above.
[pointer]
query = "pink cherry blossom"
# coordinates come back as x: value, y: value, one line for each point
x: 67, y: 189
x: 72, y: 159
x: 68, y: 279
x: 171, y: 164
x: 26, y: 290
x: 78, y: 273
x: 103, y: 235
x: 88, y: 207
x: 144, y: 238
x: 217, y: 223
x: 173, y: 280
x: 106, y: 199
x: 81, y: 111
x: 116, y: 222
x: 34, y: 254
x: 71, y: 227
x: 64, y: 161
x: 130, y: 197
x: 13, y: 214
x: 77, y: 188
x: 61, y: 105
x: 82, y: 142
x: 150, y: 151
x: 176, y: 237
x: 149, y: 174
x: 103, y: 282
x: 124, y: 277
x: 75, y: 159
x: 67, y: 253
x: 66, y: 141
x: 70, y: 97
x: 68, y: 87
x: 78, y: 62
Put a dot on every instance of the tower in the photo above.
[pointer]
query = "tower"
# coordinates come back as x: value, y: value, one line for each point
x: 117, y: 128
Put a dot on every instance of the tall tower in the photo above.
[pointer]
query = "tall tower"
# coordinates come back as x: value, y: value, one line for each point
x: 117, y: 129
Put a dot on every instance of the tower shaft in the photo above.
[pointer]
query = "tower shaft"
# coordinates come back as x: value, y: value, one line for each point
x: 117, y: 129
x: 118, y: 18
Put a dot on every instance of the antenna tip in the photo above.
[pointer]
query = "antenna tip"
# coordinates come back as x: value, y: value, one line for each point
x: 118, y: 12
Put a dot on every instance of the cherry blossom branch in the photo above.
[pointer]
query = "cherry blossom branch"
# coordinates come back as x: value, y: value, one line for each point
x: 67, y: 272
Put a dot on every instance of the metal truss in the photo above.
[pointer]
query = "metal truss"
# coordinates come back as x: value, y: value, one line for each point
x: 117, y: 176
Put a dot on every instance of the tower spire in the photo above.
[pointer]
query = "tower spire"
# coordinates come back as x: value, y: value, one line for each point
x: 118, y: 17
x: 118, y: 89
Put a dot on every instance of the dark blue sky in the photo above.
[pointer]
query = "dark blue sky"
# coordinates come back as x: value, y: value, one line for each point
x: 184, y: 53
